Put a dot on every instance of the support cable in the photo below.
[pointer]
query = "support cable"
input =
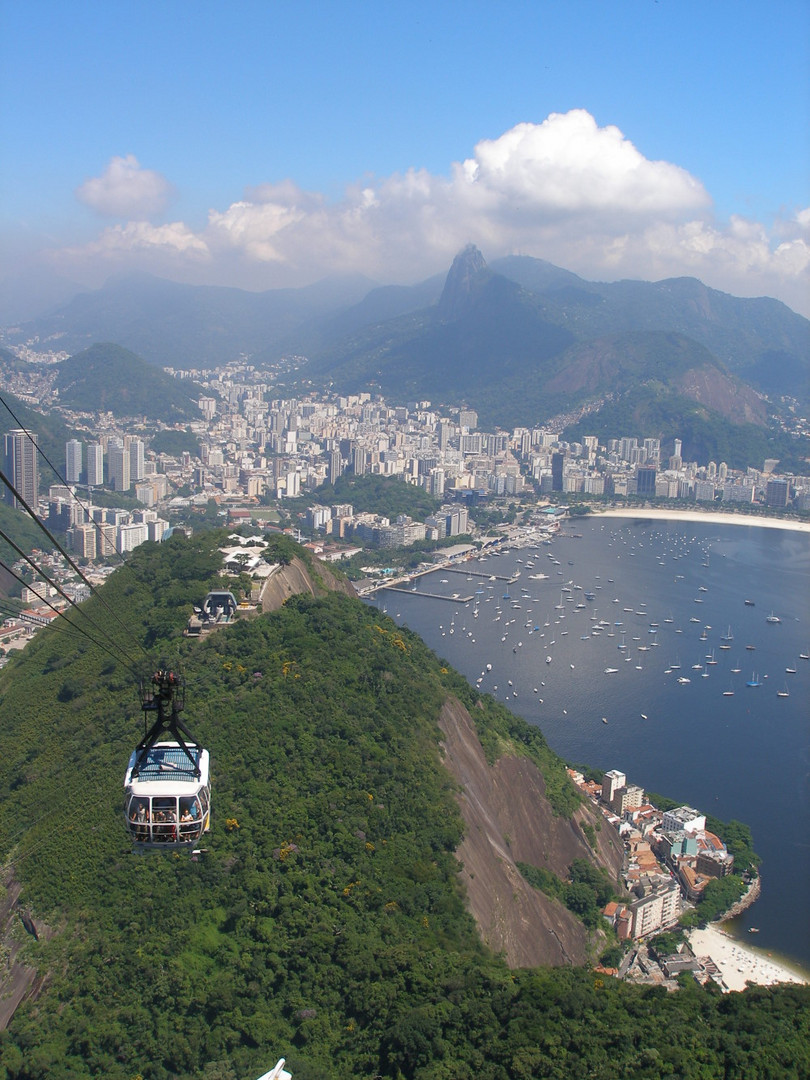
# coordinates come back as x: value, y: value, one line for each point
x: 57, y: 474
x: 70, y: 561
x: 98, y: 644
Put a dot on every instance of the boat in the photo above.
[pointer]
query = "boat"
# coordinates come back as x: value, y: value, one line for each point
x: 728, y: 636
x: 683, y: 680
x: 773, y: 619
x: 754, y: 680
x: 643, y: 716
x: 749, y: 603
x: 728, y: 693
x: 750, y: 647
x: 783, y: 693
x: 753, y: 929
x: 611, y: 670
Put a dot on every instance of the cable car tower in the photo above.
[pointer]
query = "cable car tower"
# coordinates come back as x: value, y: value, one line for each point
x: 167, y: 785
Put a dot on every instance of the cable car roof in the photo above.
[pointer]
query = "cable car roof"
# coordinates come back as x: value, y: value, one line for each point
x: 167, y: 763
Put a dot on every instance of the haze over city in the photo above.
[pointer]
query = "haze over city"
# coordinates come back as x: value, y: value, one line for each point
x: 265, y: 145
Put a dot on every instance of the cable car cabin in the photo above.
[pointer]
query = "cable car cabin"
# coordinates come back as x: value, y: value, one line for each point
x: 168, y: 800
x: 167, y: 784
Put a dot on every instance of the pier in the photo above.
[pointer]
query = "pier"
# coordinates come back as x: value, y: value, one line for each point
x: 432, y: 595
x: 480, y: 577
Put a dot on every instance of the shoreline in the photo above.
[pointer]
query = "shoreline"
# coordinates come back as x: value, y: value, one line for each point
x: 740, y: 963
x: 708, y: 516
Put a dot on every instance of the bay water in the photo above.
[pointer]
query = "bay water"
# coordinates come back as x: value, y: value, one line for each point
x: 629, y: 642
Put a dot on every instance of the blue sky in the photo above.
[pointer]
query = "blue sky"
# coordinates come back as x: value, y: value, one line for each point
x: 267, y: 144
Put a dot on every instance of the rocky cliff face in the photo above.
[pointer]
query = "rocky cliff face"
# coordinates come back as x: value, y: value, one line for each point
x: 508, y: 820
x: 297, y: 577
x: 465, y: 275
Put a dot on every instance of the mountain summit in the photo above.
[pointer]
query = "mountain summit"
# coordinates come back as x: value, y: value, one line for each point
x: 465, y: 275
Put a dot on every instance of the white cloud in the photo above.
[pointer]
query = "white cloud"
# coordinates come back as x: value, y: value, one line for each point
x: 564, y: 190
x: 568, y: 164
x: 125, y: 190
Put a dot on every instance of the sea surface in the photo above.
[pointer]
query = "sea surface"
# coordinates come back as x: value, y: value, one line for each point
x: 671, y: 593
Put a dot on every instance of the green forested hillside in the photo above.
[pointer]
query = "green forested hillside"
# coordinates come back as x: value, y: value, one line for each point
x: 325, y: 923
x: 108, y: 377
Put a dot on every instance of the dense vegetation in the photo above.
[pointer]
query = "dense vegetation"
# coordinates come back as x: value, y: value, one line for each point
x: 325, y: 923
x: 175, y: 443
x: 585, y: 893
x: 109, y: 377
x: 372, y: 494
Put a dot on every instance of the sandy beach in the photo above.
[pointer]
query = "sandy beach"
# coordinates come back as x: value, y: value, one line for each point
x: 710, y: 517
x: 739, y: 963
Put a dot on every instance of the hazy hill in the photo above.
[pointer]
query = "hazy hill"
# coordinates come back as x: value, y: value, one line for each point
x: 354, y: 333
x: 107, y: 377
x: 760, y: 339
x: 536, y: 341
x: 199, y: 326
x: 329, y: 920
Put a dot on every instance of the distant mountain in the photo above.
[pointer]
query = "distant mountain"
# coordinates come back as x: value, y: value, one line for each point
x: 192, y: 325
x: 519, y: 339
x: 759, y: 339
x: 542, y: 342
x: 107, y: 377
x: 30, y: 295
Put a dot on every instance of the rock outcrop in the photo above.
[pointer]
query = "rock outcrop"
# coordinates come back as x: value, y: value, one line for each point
x: 508, y: 820
x: 298, y: 577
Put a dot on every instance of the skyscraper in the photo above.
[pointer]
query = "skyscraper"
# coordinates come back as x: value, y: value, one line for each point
x: 118, y: 464
x: 21, y: 468
x: 73, y: 461
x: 557, y: 471
x: 136, y: 459
x: 95, y: 464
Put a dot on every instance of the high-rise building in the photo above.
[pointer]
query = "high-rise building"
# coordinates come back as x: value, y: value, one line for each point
x: 645, y: 480
x: 136, y: 459
x: 777, y: 494
x: 95, y: 464
x: 334, y: 466
x: 73, y: 461
x: 21, y: 467
x: 118, y: 465
x: 557, y: 460
x: 611, y: 782
x: 359, y: 461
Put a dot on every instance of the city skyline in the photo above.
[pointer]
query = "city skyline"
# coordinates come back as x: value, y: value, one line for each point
x: 263, y: 147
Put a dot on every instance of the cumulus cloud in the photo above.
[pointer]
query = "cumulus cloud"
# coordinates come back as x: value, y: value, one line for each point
x: 126, y: 190
x: 565, y: 190
x: 568, y: 164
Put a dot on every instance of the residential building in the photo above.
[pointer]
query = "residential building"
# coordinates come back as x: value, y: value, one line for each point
x: 118, y: 463
x: 21, y: 467
x: 73, y: 461
x: 95, y: 464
